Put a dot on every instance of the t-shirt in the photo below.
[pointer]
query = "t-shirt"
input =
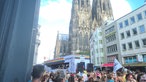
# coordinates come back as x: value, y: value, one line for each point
x: 29, y: 81
x: 110, y: 80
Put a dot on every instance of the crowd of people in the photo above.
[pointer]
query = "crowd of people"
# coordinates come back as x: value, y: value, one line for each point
x: 40, y: 75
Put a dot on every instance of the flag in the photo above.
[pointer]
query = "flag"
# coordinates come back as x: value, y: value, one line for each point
x: 117, y: 65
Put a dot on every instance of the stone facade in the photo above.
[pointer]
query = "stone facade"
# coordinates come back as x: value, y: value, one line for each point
x: 84, y: 20
x: 79, y: 29
x: 101, y: 11
x: 61, y: 47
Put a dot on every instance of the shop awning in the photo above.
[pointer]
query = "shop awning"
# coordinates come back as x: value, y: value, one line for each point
x: 108, y: 65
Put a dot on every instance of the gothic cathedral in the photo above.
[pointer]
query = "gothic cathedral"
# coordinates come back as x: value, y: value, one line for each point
x: 83, y: 20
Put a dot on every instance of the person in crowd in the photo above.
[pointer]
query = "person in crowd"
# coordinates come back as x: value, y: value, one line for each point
x: 130, y: 78
x: 143, y: 78
x: 38, y: 74
x: 124, y: 75
x: 110, y: 77
x: 90, y: 79
x: 120, y: 77
x: 80, y: 79
x: 71, y: 78
x: 103, y: 77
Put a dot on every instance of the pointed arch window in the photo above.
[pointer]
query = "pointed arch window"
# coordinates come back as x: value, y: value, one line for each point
x: 104, y: 7
x: 82, y: 3
x: 80, y: 40
x: 87, y: 1
x: 86, y: 40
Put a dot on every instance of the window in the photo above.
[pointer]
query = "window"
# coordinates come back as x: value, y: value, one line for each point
x: 100, y: 33
x: 124, y: 46
x: 131, y: 59
x: 134, y: 31
x: 144, y: 41
x: 126, y: 22
x: 97, y: 50
x: 144, y: 57
x: 145, y: 13
x: 128, y: 33
x: 122, y: 36
x: 139, y: 16
x: 111, y: 29
x: 121, y: 25
x: 137, y: 44
x: 100, y: 41
x: 82, y: 3
x: 132, y: 19
x: 130, y: 45
x: 101, y: 49
x: 142, y: 29
x: 112, y: 48
x: 110, y: 38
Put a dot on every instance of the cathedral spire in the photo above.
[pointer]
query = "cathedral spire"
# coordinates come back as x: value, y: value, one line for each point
x: 101, y: 11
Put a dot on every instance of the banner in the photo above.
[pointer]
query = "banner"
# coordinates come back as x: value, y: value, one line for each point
x: 139, y: 58
x: 117, y: 65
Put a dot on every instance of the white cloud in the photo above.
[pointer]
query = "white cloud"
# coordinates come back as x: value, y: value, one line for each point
x: 55, y: 16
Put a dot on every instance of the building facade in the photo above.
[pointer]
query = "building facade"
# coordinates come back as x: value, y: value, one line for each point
x: 84, y: 20
x: 96, y: 48
x: 61, y: 47
x: 111, y: 41
x: 101, y: 11
x: 37, y: 44
x: 79, y: 29
x: 132, y: 36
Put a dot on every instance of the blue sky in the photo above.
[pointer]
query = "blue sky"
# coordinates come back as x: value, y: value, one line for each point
x: 135, y: 3
x: 55, y: 16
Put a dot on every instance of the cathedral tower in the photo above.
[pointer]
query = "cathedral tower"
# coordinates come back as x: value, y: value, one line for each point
x: 101, y: 11
x: 79, y: 29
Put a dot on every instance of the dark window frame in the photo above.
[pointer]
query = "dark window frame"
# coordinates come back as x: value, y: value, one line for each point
x: 126, y: 22
x: 130, y: 46
x: 128, y: 33
x: 139, y: 15
x: 132, y: 20
x: 142, y: 31
x: 134, y: 30
x: 137, y: 44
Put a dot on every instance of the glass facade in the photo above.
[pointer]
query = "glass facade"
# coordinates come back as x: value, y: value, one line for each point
x: 128, y: 33
x: 139, y: 16
x: 131, y: 59
x: 126, y: 22
x: 130, y: 45
x: 121, y: 25
x: 124, y: 46
x: 137, y: 45
x: 144, y: 58
x: 132, y: 19
x: 122, y: 36
x: 145, y: 13
x: 144, y: 42
x: 134, y: 31
x: 142, y: 29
